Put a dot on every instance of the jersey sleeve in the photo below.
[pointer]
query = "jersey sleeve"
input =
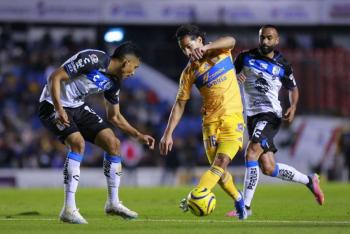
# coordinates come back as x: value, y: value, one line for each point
x: 86, y: 61
x: 112, y: 94
x: 288, y: 80
x: 239, y: 63
x: 185, y: 86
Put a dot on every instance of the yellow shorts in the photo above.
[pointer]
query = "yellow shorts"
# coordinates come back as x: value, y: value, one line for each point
x: 224, y: 136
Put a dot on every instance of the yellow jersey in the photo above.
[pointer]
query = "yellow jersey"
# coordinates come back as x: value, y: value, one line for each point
x: 215, y: 78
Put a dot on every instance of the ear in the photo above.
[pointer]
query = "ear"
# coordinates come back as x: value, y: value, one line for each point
x: 277, y: 40
x: 200, y: 40
x: 125, y: 62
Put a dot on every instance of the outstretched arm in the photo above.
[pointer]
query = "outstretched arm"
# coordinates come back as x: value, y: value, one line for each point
x: 293, y: 99
x: 117, y: 119
x: 166, y: 143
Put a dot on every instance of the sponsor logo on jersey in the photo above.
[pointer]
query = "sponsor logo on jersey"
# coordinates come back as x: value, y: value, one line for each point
x: 262, y: 85
x: 261, y: 102
x: 94, y: 58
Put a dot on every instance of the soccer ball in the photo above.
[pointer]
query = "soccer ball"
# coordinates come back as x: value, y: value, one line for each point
x: 201, y: 201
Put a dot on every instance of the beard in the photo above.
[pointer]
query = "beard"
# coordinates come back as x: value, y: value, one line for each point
x: 264, y: 49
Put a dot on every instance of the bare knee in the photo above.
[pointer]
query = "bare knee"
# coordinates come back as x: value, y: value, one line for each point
x: 113, y: 146
x: 222, y: 161
x: 76, y: 144
x: 253, y: 152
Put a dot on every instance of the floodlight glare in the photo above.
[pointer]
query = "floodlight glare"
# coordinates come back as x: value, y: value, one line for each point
x: 114, y: 35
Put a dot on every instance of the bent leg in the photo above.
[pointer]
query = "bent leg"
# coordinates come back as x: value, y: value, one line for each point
x: 112, y: 162
x: 280, y: 170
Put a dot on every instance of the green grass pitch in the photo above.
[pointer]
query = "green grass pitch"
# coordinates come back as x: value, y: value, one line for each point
x: 277, y: 209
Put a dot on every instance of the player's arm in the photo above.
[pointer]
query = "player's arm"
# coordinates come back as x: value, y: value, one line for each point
x: 166, y: 142
x: 290, y: 83
x: 239, y: 68
x: 54, y: 83
x: 293, y: 100
x: 117, y: 119
x: 223, y: 43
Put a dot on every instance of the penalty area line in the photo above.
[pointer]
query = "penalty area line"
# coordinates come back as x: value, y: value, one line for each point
x: 202, y: 221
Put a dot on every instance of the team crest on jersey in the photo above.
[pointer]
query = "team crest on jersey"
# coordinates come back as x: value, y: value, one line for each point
x: 276, y: 70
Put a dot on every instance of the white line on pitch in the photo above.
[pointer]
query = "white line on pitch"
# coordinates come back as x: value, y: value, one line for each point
x: 204, y: 221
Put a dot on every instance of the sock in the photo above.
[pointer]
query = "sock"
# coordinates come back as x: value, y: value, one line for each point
x: 112, y: 167
x: 251, y: 179
x: 211, y: 177
x: 289, y: 173
x: 229, y: 187
x: 71, y: 175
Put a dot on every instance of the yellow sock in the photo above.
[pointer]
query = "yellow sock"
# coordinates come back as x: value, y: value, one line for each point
x: 226, y: 183
x: 211, y: 177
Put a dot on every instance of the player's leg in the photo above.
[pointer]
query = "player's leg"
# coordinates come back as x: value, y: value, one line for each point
x: 112, y: 166
x: 75, y: 142
x: 256, y: 126
x: 289, y: 173
x: 231, y: 140
x: 220, y: 152
x: 251, y: 177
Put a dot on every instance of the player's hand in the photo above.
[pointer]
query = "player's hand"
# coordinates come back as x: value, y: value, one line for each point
x: 290, y: 113
x: 165, y: 145
x: 241, y: 78
x: 62, y: 117
x: 147, y: 140
x: 198, y: 53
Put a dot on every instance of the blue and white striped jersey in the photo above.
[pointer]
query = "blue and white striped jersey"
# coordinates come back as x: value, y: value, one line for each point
x: 87, y: 71
x: 265, y: 77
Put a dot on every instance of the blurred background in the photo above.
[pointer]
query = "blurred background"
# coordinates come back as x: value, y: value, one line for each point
x: 37, y: 36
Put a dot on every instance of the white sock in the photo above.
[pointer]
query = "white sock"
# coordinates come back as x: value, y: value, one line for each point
x: 251, y: 179
x: 71, y: 175
x: 289, y: 173
x: 112, y: 170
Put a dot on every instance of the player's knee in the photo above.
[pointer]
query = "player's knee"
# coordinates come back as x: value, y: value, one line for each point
x: 267, y: 168
x: 222, y: 161
x: 78, y: 145
x: 113, y: 146
x: 253, y: 151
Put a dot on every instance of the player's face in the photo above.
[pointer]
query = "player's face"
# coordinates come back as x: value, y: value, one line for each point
x: 130, y: 64
x: 188, y: 43
x: 268, y: 40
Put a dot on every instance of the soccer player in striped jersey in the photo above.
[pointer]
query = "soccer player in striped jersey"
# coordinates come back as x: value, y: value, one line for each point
x: 63, y: 111
x: 263, y: 71
x: 210, y: 69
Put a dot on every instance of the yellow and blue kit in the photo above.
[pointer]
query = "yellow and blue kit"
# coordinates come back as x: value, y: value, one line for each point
x: 223, y: 123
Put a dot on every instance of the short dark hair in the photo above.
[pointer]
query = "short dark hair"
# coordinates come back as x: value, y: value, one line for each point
x: 126, y: 48
x: 269, y: 26
x: 189, y: 30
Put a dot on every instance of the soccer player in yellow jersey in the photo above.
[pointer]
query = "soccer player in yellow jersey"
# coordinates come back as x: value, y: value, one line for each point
x: 211, y: 69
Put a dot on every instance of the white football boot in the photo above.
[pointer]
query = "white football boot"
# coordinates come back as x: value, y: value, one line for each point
x: 120, y: 210
x: 72, y: 216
